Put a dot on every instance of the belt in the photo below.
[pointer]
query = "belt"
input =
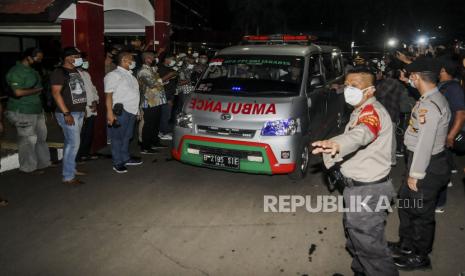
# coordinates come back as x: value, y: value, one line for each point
x: 353, y: 183
x: 433, y: 157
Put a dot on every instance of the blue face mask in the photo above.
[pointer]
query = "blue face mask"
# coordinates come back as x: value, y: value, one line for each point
x: 78, y: 62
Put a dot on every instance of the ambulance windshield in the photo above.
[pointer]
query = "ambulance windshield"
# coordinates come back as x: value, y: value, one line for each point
x: 249, y: 75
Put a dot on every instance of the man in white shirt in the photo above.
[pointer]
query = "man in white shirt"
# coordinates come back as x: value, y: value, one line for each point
x: 87, y: 131
x: 122, y: 101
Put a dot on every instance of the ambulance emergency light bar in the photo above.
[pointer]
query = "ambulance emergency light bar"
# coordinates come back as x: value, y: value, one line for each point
x: 279, y: 38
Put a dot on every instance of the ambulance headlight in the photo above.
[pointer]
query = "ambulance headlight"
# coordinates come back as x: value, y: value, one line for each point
x: 184, y: 120
x: 281, y: 127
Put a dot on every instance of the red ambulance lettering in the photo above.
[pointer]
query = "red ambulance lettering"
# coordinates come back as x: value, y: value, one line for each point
x: 192, y: 105
x: 227, y: 110
x: 217, y: 107
x: 209, y: 106
x: 246, y: 108
x: 258, y: 108
x: 200, y: 104
x: 236, y: 110
x: 271, y: 109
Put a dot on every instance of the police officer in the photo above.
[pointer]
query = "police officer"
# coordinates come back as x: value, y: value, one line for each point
x: 363, y: 153
x: 428, y: 169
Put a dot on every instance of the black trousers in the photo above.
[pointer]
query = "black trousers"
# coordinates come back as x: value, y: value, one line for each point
x: 417, y: 209
x: 152, y: 116
x: 365, y: 230
x: 87, y: 135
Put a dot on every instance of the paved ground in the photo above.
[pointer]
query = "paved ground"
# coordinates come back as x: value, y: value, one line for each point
x: 166, y: 218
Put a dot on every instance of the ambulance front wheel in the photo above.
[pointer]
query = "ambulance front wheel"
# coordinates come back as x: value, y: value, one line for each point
x: 302, y: 161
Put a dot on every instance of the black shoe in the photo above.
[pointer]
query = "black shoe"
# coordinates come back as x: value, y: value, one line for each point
x: 358, y: 273
x: 148, y: 151
x: 120, y: 169
x: 413, y: 262
x: 399, y: 154
x: 159, y: 146
x: 398, y: 249
x: 133, y: 162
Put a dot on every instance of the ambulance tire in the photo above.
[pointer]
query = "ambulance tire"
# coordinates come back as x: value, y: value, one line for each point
x: 302, y: 163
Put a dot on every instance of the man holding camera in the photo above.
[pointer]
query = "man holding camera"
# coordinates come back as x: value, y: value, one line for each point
x: 122, y: 103
x: 363, y: 155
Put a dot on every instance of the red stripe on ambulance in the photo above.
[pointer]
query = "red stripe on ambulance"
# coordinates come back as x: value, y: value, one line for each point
x: 234, y: 108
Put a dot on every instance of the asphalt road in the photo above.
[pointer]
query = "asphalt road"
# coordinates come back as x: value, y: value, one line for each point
x: 167, y: 218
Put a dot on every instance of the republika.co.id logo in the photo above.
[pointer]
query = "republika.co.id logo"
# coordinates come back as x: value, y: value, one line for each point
x: 331, y: 203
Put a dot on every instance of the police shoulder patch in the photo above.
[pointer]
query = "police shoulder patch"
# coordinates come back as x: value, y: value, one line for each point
x: 370, y: 118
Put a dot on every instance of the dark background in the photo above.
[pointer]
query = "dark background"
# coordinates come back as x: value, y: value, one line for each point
x: 335, y: 20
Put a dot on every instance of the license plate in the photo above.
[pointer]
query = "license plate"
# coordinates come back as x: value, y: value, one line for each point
x: 221, y: 161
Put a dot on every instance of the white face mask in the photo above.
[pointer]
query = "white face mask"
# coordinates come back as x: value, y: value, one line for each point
x: 132, y: 65
x: 190, y: 66
x: 172, y: 63
x: 180, y: 63
x: 156, y: 60
x: 195, y: 55
x: 353, y: 95
x: 85, y: 65
x: 77, y: 62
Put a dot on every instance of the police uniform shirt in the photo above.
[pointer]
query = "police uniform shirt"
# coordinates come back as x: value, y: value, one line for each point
x: 369, y: 136
x: 427, y: 131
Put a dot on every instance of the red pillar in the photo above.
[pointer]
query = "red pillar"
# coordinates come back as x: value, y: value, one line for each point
x: 87, y: 34
x: 161, y: 32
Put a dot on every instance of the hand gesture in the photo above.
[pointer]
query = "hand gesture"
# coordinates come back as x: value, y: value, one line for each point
x: 326, y: 146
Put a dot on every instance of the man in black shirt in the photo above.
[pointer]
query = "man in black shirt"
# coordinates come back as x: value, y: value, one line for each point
x: 170, y: 81
x: 70, y: 97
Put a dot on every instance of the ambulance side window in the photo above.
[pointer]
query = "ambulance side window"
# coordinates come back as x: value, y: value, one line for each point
x: 337, y: 63
x: 328, y: 66
x: 315, y: 77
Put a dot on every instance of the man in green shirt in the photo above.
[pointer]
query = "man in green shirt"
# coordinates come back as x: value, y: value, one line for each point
x: 24, y: 111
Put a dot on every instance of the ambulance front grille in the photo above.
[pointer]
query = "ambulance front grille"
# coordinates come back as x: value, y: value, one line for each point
x: 227, y: 132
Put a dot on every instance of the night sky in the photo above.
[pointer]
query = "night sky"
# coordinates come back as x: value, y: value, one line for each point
x: 365, y: 21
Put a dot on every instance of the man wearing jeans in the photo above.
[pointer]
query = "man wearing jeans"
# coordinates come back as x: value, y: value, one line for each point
x: 122, y: 101
x: 69, y: 93
x: 24, y: 111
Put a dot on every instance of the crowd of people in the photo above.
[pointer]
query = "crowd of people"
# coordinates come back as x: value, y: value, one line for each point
x: 142, y: 88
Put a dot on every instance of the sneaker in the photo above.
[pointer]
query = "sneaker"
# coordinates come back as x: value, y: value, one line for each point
x: 413, y: 262
x: 398, y: 249
x: 159, y: 146
x: 133, y: 162
x: 120, y: 169
x: 148, y: 151
x: 450, y: 184
x: 166, y: 137
x: 440, y: 210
